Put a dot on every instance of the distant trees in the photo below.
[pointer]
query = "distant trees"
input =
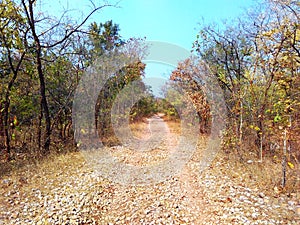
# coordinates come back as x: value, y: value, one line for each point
x: 101, y: 39
x: 145, y: 107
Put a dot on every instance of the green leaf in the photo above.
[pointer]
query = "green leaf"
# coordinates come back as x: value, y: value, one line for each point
x: 256, y: 128
x: 277, y: 118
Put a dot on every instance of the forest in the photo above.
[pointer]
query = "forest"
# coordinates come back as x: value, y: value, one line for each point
x: 254, y: 59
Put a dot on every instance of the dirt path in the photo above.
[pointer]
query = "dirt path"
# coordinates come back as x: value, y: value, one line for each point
x: 66, y: 189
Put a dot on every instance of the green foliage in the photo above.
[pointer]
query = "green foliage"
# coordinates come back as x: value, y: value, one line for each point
x: 103, y: 37
x: 145, y: 107
x: 167, y: 108
x: 108, y: 95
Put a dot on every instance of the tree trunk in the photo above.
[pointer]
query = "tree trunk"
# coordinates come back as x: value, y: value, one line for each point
x: 2, y: 134
x: 38, y: 58
x: 6, y: 127
x: 44, y: 102
x: 284, y: 160
x: 241, y: 125
x: 39, y: 131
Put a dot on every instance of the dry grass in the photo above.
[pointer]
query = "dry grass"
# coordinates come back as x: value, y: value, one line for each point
x: 48, y: 166
x: 140, y: 129
x: 266, y: 175
x: 174, y: 126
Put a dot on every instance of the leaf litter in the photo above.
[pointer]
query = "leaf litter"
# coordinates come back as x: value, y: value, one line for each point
x: 66, y: 190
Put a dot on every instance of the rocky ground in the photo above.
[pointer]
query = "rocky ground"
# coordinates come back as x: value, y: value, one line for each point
x: 66, y: 189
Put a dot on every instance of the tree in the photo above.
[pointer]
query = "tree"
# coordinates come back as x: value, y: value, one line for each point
x: 279, y: 42
x: 256, y: 62
x: 103, y: 37
x: 43, y: 42
x: 257, y: 65
x: 227, y: 53
x: 13, y: 32
x: 32, y: 46
x: 185, y: 75
x: 109, y: 93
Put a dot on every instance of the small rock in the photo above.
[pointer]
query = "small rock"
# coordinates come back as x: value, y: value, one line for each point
x: 242, y: 198
x: 23, y: 180
x: 6, y: 182
x: 260, y: 201
x: 261, y: 195
x: 298, y: 210
x: 254, y: 215
x: 291, y: 203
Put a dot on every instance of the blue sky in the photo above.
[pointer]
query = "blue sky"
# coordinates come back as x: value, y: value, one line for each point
x: 173, y: 21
